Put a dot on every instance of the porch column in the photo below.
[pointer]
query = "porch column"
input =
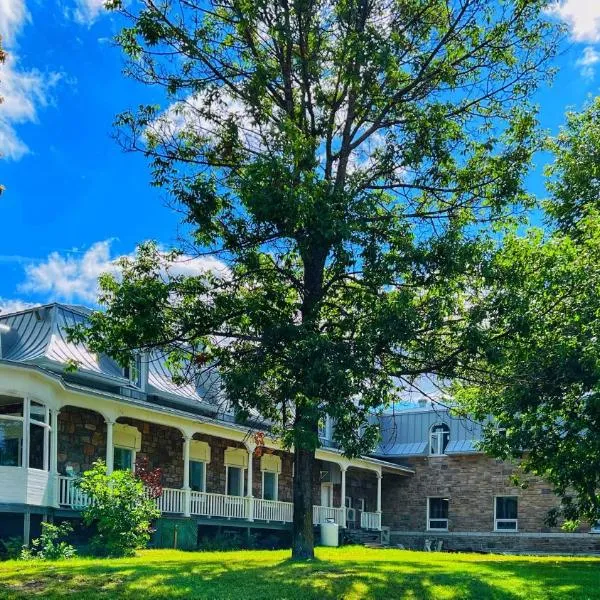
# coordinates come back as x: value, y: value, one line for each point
x: 54, y: 456
x: 186, y: 475
x: 379, y: 477
x: 110, y: 450
x: 343, y: 469
x: 249, y: 496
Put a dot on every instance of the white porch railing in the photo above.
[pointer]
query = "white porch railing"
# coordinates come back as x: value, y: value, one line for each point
x: 271, y: 510
x: 321, y: 514
x: 70, y: 495
x: 218, y: 505
x: 171, y: 501
x: 370, y: 520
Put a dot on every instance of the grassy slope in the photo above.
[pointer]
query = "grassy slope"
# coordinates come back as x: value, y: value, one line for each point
x: 353, y: 572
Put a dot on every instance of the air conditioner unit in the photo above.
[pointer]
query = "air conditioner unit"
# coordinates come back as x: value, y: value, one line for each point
x: 351, y: 515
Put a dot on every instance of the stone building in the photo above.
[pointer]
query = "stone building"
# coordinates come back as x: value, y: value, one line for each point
x: 425, y: 483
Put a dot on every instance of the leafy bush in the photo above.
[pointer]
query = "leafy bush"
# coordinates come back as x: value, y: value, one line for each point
x: 121, y: 511
x: 49, y: 546
x: 12, y: 547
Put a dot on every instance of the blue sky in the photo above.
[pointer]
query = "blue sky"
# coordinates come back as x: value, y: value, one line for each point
x: 74, y: 201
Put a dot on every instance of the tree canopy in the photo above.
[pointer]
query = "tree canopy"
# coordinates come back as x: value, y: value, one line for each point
x: 541, y: 382
x: 350, y: 163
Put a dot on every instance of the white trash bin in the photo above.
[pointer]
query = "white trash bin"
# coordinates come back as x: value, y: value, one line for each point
x: 330, y: 534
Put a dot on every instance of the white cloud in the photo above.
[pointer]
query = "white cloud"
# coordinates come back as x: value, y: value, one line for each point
x: 588, y: 60
x: 23, y: 91
x: 14, y: 305
x: 87, y: 11
x: 582, y: 17
x: 74, y: 276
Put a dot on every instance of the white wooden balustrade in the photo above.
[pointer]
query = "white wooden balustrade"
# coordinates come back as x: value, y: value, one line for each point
x: 370, y: 520
x: 70, y: 495
x: 271, y: 510
x: 172, y: 501
x: 322, y: 514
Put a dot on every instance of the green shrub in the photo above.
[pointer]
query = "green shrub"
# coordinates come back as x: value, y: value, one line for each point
x: 12, y: 547
x: 49, y: 546
x: 121, y: 511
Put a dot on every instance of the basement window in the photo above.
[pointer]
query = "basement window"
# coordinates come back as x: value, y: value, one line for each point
x: 506, y: 513
x: 437, y: 514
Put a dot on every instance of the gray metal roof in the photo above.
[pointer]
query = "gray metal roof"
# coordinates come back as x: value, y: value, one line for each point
x: 39, y: 336
x: 406, y: 433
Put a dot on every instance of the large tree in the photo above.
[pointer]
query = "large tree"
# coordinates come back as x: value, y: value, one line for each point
x: 541, y: 379
x: 348, y: 161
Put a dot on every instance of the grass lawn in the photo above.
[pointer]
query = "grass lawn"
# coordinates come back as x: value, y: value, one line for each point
x: 351, y: 572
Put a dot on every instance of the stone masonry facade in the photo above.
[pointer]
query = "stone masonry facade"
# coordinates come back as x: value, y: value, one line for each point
x: 471, y: 483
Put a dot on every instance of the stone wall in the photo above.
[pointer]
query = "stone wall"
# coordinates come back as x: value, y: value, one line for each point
x: 81, y: 439
x: 525, y: 543
x: 470, y: 482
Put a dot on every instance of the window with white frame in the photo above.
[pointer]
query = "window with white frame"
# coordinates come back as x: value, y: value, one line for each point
x: 437, y: 514
x: 438, y: 438
x: 123, y: 459
x: 197, y: 476
x: 360, y: 504
x: 270, y: 466
x: 235, y: 481
x: 24, y: 433
x: 506, y: 513
x: 269, y: 485
x: 133, y: 371
x: 325, y: 428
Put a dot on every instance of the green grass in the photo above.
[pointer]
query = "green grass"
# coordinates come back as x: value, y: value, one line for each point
x: 351, y: 572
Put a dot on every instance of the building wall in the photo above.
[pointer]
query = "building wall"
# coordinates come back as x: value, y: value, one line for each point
x: 470, y: 482
x: 81, y: 439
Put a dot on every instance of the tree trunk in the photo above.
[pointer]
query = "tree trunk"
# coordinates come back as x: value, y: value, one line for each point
x: 303, y: 542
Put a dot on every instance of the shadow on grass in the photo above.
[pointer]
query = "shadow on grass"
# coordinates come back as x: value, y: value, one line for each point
x: 231, y: 577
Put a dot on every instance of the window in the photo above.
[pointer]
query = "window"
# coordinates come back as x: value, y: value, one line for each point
x: 437, y: 514
x: 360, y: 504
x: 595, y: 527
x: 19, y: 416
x: 197, y: 476
x: 235, y: 481
x: 133, y: 371
x: 325, y: 429
x: 123, y: 459
x: 269, y: 485
x: 439, y: 438
x: 505, y: 513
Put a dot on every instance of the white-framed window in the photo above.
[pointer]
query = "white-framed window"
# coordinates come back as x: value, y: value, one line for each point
x: 506, y: 515
x: 325, y: 428
x: 234, y: 481
x: 360, y: 504
x: 133, y: 371
x: 437, y: 514
x: 24, y: 433
x: 123, y: 459
x: 270, y: 484
x: 197, y: 476
x: 439, y: 436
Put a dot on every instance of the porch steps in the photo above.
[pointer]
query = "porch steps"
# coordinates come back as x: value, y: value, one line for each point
x: 362, y: 537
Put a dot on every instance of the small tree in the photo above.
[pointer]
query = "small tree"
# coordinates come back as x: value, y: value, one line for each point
x: 120, y: 509
x: 50, y: 546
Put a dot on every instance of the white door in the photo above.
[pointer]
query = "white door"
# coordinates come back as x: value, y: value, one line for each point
x: 326, y: 494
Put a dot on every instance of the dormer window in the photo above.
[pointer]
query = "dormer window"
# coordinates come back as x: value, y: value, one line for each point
x: 325, y: 428
x: 439, y: 438
x: 133, y: 371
